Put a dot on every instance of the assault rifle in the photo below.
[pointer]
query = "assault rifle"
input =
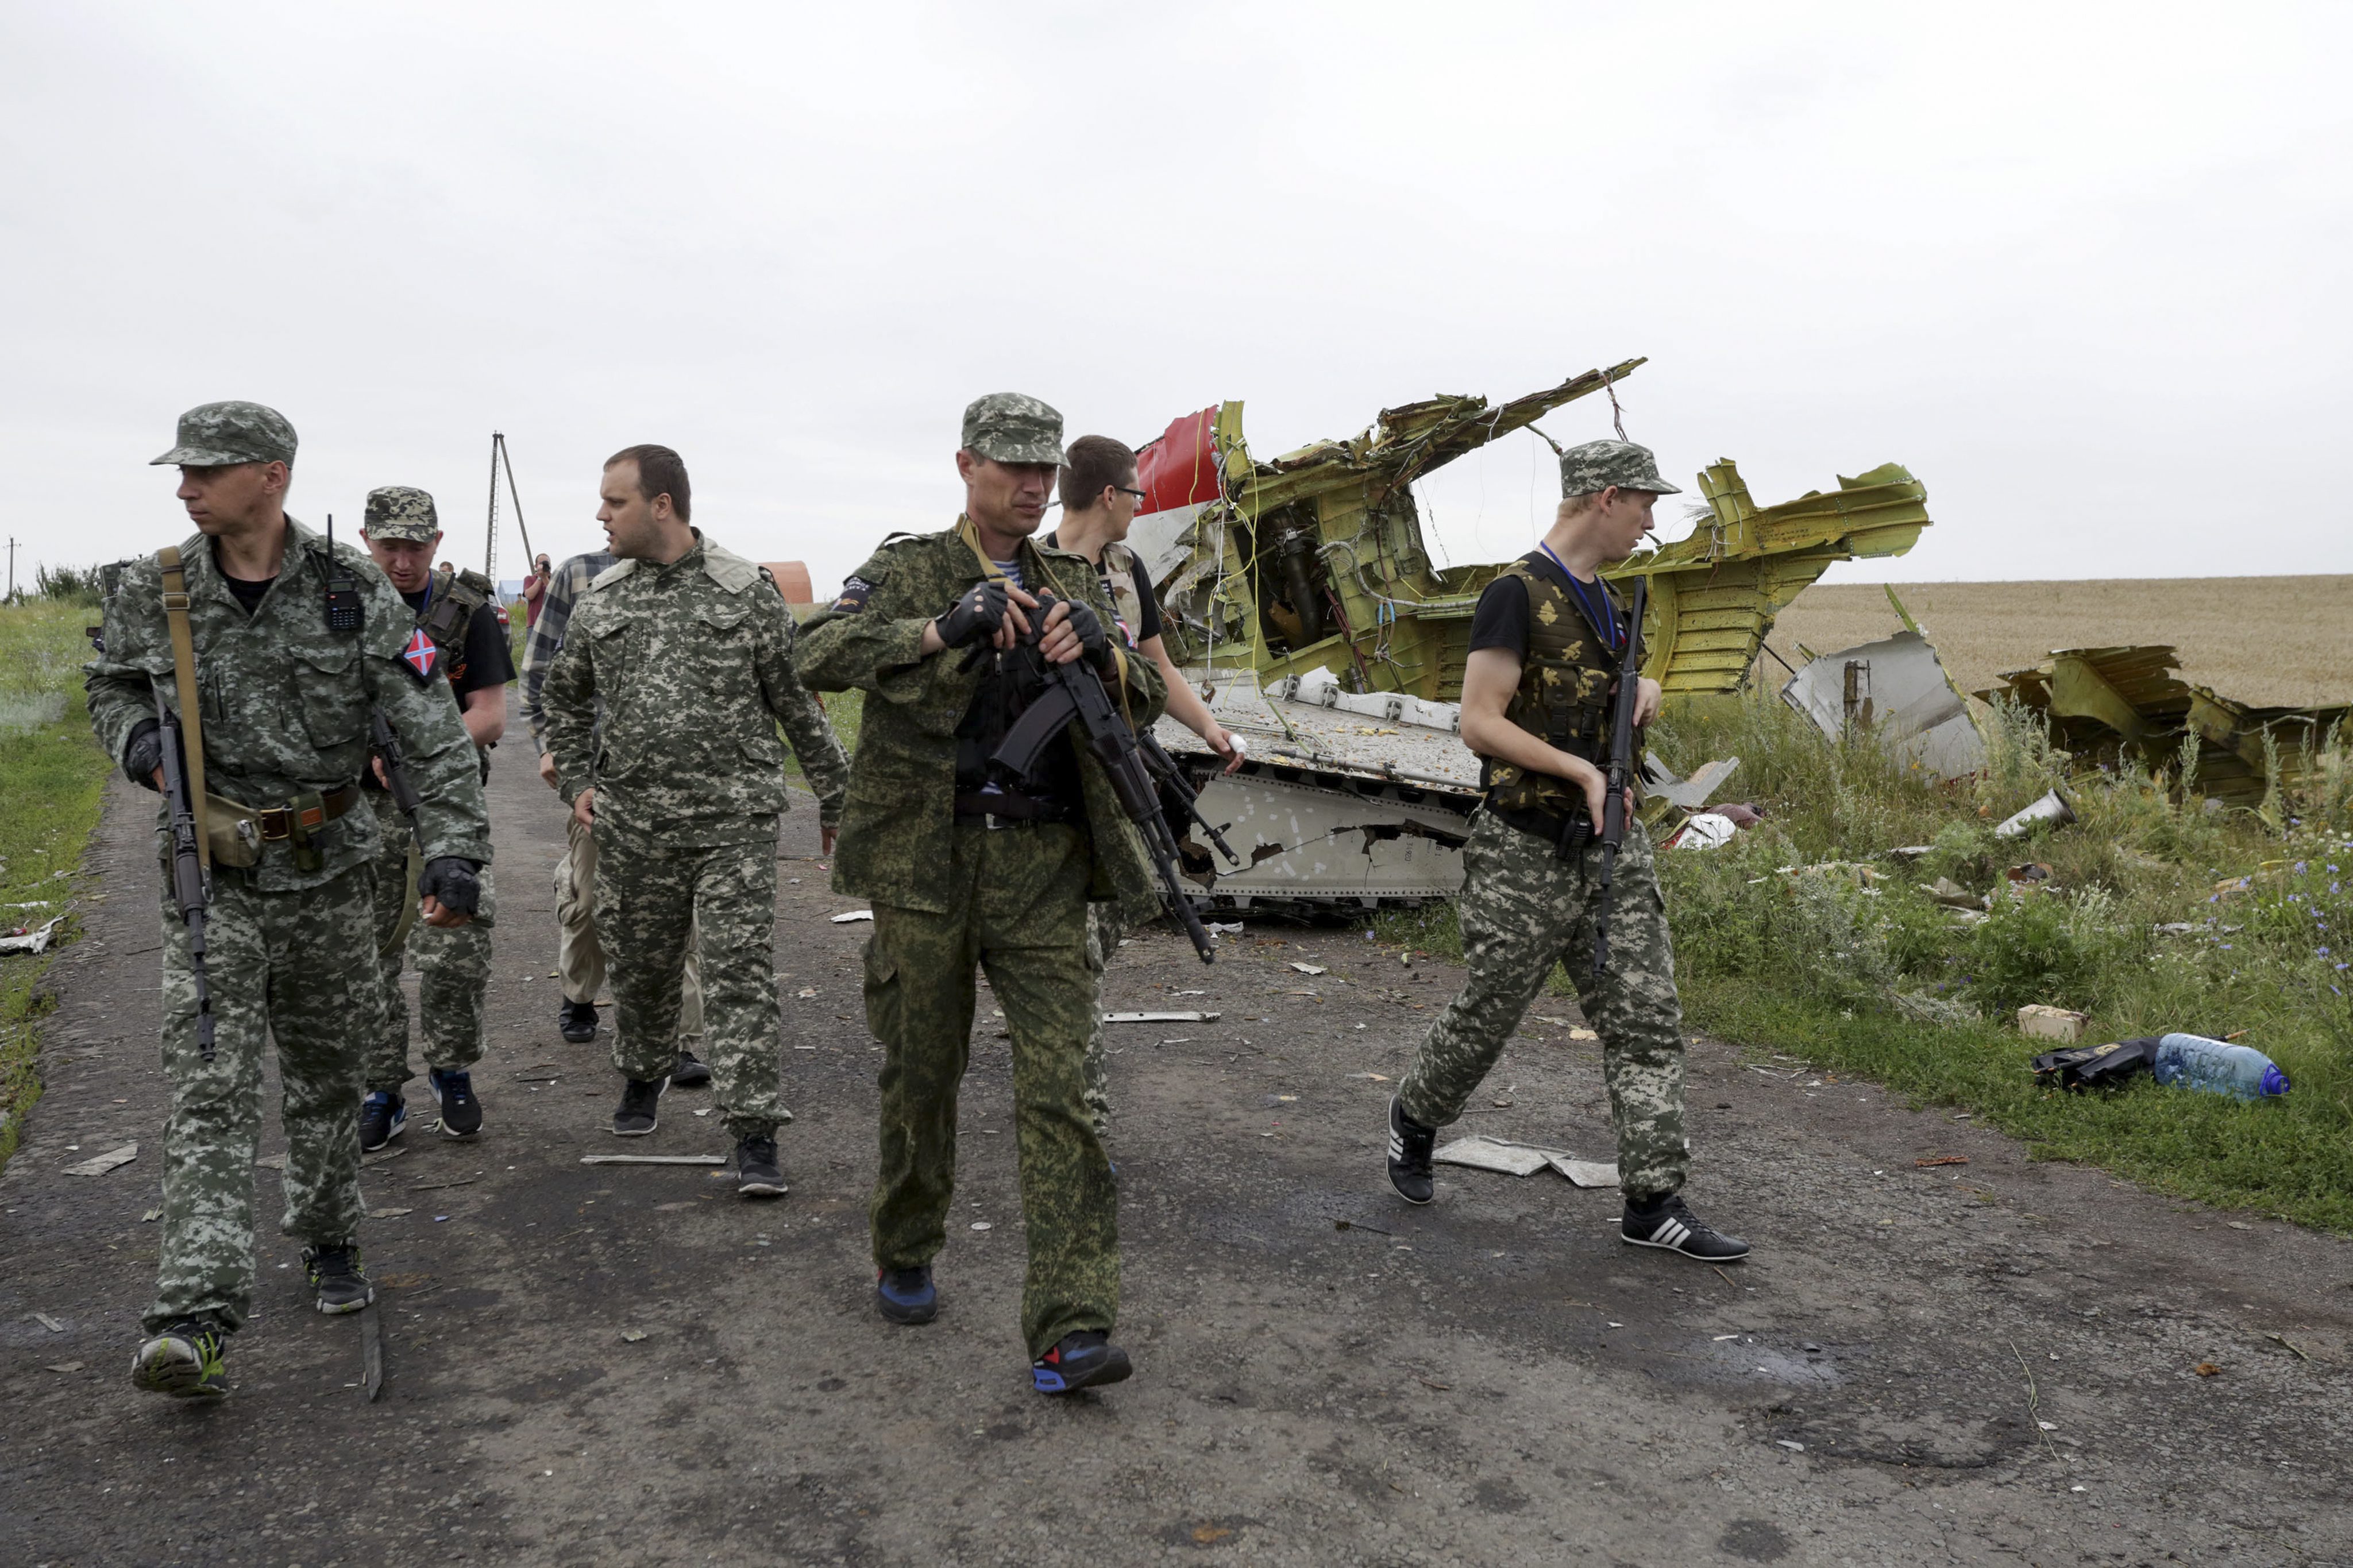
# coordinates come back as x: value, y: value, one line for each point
x: 396, y: 782
x: 1615, y: 800
x: 191, y: 886
x: 1073, y: 691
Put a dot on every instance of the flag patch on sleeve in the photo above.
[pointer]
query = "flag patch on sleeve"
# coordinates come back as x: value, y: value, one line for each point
x: 420, y: 656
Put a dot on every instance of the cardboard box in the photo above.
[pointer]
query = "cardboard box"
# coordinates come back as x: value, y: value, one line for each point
x: 2052, y: 1024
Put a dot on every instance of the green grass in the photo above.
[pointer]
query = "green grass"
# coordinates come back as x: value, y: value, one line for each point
x: 1863, y: 973
x: 52, y: 773
x: 842, y: 710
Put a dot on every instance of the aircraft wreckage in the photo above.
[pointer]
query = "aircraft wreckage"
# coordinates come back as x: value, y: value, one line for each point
x: 1298, y: 594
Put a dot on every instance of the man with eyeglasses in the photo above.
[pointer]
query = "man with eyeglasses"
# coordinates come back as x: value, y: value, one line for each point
x: 1100, y: 499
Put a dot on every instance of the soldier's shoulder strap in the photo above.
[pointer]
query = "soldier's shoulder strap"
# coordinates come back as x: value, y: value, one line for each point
x: 184, y: 677
x: 729, y: 570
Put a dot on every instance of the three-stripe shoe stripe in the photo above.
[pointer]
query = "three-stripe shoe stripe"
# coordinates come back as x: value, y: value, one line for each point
x: 1670, y: 1234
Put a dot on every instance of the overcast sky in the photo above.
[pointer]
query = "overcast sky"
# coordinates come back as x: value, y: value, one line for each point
x: 2081, y: 268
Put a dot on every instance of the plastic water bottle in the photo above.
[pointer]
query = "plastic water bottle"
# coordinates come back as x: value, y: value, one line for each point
x: 2193, y: 1061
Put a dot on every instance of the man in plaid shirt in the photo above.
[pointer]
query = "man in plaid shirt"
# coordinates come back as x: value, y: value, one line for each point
x: 580, y: 960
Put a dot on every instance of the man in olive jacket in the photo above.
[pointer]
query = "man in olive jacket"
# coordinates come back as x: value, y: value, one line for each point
x: 970, y: 866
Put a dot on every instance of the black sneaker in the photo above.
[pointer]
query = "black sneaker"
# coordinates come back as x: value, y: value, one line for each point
x: 338, y: 1277
x: 1082, y: 1359
x: 1409, y: 1146
x: 906, y: 1295
x: 690, y: 1072
x: 1668, y: 1223
x: 383, y: 1117
x: 756, y: 1175
x: 576, y: 1021
x: 640, y: 1097
x: 461, y: 1114
x: 184, y: 1361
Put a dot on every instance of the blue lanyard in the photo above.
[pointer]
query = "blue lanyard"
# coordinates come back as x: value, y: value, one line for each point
x: 1605, y: 622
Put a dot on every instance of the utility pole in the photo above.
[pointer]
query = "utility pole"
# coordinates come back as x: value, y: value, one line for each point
x: 500, y: 458
x: 12, y: 569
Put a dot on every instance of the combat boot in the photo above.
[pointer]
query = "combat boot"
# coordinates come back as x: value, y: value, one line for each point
x: 1667, y: 1222
x: 576, y: 1022
x: 1085, y: 1359
x: 338, y: 1278
x: 1409, y: 1147
x: 384, y: 1116
x: 690, y: 1072
x: 186, y: 1361
x: 461, y: 1114
x: 640, y: 1101
x: 756, y: 1175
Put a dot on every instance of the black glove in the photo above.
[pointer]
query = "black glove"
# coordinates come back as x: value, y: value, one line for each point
x: 453, y: 882
x: 976, y: 616
x: 1093, y: 637
x: 144, y: 753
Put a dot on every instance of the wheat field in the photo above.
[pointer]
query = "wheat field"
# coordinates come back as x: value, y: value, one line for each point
x: 2285, y: 641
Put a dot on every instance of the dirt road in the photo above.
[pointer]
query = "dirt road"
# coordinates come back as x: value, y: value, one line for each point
x: 1493, y: 1380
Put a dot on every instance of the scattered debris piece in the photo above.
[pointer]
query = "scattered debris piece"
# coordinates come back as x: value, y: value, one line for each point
x: 1898, y: 689
x: 1790, y: 1443
x: 99, y: 1164
x: 378, y: 1158
x: 1309, y: 968
x: 2206, y: 1369
x: 1704, y: 830
x: 653, y: 1159
x: 1587, y: 1173
x: 371, y: 1352
x: 845, y: 919
x: 389, y: 1214
x: 2034, y: 877
x: 2096, y: 1066
x: 1942, y: 1160
x: 1496, y: 1154
x: 1161, y: 1017
x: 2052, y: 1023
x: 430, y: 1186
x: 982, y: 1225
x: 63, y: 1367
x: 48, y: 1323
x: 2052, y: 807
x: 633, y: 1335
x: 805, y: 991
x: 1951, y: 894
x: 30, y: 939
x: 1377, y: 1230
x: 1375, y: 1076
x: 151, y: 1216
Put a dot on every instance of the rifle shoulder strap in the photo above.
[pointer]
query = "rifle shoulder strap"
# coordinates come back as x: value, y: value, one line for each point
x: 184, y: 675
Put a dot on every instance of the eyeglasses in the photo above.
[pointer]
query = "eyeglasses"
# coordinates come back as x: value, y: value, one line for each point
x: 1129, y: 491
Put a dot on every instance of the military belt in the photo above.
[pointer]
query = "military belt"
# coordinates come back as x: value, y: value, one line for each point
x: 279, y: 822
x: 1567, y: 832
x: 998, y: 810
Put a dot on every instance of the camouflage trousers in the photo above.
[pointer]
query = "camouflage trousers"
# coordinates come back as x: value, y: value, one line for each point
x: 580, y: 958
x: 1019, y: 898
x: 657, y: 906
x: 453, y: 966
x: 294, y: 968
x: 1523, y: 910
x: 1103, y: 946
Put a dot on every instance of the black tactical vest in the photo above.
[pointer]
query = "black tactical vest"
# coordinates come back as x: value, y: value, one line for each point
x: 1563, y: 697
x: 453, y: 598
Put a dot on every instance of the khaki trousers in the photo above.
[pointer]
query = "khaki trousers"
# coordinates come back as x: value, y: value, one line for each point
x: 580, y: 957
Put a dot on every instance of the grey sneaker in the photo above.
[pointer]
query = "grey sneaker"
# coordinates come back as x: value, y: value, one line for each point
x: 338, y: 1277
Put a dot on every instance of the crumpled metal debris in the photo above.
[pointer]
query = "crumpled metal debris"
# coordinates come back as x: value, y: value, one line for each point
x: 1898, y: 689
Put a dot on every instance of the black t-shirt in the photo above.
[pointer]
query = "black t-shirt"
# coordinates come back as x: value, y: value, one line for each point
x: 248, y: 591
x: 1143, y: 594
x: 482, y: 660
x: 1501, y: 618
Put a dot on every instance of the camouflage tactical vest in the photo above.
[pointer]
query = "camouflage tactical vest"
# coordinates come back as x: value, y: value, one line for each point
x: 1119, y: 577
x: 455, y: 597
x: 1563, y: 697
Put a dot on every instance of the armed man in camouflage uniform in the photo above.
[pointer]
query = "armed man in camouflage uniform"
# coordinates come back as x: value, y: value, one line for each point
x: 968, y: 867
x: 689, y: 649
x: 1545, y: 645
x: 293, y: 644
x: 453, y: 966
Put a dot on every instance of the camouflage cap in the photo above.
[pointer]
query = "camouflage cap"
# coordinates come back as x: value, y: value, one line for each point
x: 401, y: 511
x: 217, y: 435
x: 1594, y: 466
x: 1012, y: 428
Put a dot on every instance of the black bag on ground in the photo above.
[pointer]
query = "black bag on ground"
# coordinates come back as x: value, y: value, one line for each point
x: 2097, y: 1067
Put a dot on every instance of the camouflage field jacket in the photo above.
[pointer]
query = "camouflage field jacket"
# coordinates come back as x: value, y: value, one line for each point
x: 693, y: 666
x: 898, y: 828
x: 284, y: 701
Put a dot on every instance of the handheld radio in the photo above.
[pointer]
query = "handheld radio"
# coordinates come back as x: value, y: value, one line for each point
x: 344, y: 601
